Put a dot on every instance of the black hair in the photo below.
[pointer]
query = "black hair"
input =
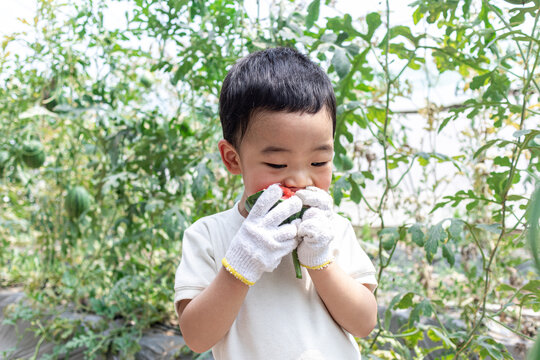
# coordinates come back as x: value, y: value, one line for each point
x: 276, y: 79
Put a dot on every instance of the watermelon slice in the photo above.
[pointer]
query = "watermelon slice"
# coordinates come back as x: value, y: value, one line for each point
x: 287, y: 193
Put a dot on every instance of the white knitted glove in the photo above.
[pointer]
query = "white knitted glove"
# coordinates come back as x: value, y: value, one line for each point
x: 315, y: 229
x: 262, y: 242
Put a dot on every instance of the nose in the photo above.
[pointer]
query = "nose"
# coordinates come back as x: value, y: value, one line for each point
x: 297, y: 180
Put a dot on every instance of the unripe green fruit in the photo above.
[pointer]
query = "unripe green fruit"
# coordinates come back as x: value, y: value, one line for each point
x: 77, y: 201
x: 4, y: 157
x: 146, y: 82
x: 33, y: 154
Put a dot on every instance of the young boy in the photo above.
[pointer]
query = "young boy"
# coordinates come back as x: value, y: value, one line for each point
x: 235, y: 289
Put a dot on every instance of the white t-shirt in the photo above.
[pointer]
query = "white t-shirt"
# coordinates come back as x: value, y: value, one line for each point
x: 282, y: 317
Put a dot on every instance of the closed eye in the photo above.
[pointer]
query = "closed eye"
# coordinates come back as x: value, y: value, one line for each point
x: 276, y: 166
x: 318, y: 164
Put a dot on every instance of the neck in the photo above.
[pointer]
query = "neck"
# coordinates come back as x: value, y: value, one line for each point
x: 242, y: 207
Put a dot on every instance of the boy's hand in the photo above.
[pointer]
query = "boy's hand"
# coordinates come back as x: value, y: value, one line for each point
x: 261, y: 242
x: 315, y: 229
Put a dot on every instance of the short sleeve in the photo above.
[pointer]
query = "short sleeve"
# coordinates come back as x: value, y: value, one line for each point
x: 197, y: 267
x: 351, y: 257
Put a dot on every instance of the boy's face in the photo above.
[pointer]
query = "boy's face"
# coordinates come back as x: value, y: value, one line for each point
x: 292, y: 149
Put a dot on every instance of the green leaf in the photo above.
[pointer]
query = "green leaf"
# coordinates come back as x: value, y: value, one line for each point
x: 376, y: 114
x: 533, y: 234
x: 356, y: 193
x: 479, y: 81
x: 388, y: 311
x: 406, y: 301
x: 455, y: 230
x: 181, y: 72
x: 353, y: 49
x: 532, y: 286
x: 489, y: 348
x: 516, y: 109
x: 471, y: 205
x: 448, y: 255
x: 389, y: 237
x: 204, y: 177
x: 497, y: 181
x: 484, y: 148
x: 438, y: 206
x: 341, y: 38
x: 341, y: 62
x: 313, y: 13
x: 436, y: 335
x: 517, y: 19
x: 358, y: 178
x: 345, y: 162
x: 417, y: 15
x: 502, y: 161
x: 534, y: 353
x: 342, y: 24
x: 417, y: 235
x: 445, y: 122
x: 341, y: 186
x: 423, y: 158
x: 520, y: 133
x: 499, y: 84
x: 436, y: 235
x: 329, y: 38
x: 505, y: 287
x: 402, y: 30
x: 492, y: 228
x: 422, y: 308
x: 373, y: 21
x: 368, y: 175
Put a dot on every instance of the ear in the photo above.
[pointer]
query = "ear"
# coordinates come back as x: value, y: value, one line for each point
x: 230, y: 157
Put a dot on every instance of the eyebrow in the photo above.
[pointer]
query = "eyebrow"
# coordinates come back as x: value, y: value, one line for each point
x: 277, y: 149
x: 274, y: 149
x: 324, y: 147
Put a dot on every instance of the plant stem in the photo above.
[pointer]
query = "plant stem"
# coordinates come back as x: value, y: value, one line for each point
x: 384, y: 143
x: 515, y: 157
x: 296, y: 262
x: 383, y: 140
x: 509, y: 328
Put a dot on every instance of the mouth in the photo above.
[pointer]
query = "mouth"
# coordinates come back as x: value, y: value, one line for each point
x: 288, y: 192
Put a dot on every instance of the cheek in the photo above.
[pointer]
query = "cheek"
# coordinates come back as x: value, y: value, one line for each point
x: 259, y: 180
x: 324, y: 180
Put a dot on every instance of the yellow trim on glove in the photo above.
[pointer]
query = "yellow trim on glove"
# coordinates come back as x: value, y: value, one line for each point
x: 235, y: 273
x: 318, y: 267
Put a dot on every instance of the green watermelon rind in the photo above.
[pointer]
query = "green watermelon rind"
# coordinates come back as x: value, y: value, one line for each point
x: 33, y: 154
x: 77, y: 201
x: 252, y: 199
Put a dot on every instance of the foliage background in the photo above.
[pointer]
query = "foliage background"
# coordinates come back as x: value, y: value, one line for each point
x: 130, y: 113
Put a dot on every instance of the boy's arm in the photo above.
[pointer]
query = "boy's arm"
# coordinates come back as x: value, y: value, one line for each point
x: 258, y: 247
x: 351, y: 304
x: 206, y: 319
